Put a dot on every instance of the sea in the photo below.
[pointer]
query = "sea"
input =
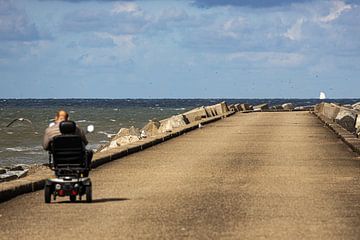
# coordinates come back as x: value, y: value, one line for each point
x: 20, y: 143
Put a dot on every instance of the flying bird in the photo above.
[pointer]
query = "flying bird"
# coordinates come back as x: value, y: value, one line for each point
x: 19, y: 119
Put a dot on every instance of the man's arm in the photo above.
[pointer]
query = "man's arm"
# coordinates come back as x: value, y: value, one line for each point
x: 46, y: 140
x: 81, y: 133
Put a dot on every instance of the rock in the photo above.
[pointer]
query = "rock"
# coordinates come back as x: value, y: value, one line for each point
x: 349, y: 106
x: 232, y: 107
x: 221, y: 108
x: 128, y: 131
x: 356, y: 106
x: 309, y: 108
x: 20, y: 173
x: 210, y: 111
x: 195, y: 115
x: 288, y: 106
x: 246, y: 107
x: 238, y: 107
x: 261, y: 107
x: 19, y: 167
x: 347, y: 119
x: 8, y: 177
x: 124, y: 140
x: 357, y: 124
x: 151, y: 128
x: 330, y: 110
x: 277, y: 107
x: 167, y: 125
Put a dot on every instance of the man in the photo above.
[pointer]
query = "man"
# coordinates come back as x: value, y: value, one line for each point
x: 54, y: 131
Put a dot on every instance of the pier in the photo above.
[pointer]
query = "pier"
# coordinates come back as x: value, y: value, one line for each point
x: 277, y: 175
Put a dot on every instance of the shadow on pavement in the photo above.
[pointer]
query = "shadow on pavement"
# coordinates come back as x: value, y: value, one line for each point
x: 100, y: 200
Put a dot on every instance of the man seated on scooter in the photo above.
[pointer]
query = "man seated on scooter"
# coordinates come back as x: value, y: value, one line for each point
x: 54, y: 130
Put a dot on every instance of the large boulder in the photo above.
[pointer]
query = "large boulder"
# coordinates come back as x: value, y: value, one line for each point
x: 356, y: 106
x: 128, y: 131
x: 288, y: 106
x: 330, y: 110
x: 232, y: 107
x: 347, y: 119
x: 319, y: 108
x: 246, y: 107
x: 357, y: 124
x: 221, y: 108
x: 210, y: 111
x: 167, y: 125
x: 151, y: 128
x: 277, y: 107
x: 261, y: 107
x: 195, y: 115
x: 124, y: 140
x: 238, y: 107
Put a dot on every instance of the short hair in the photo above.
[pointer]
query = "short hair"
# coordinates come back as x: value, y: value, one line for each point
x: 62, y: 111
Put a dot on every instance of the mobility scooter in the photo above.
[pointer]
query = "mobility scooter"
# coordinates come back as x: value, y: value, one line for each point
x: 68, y: 159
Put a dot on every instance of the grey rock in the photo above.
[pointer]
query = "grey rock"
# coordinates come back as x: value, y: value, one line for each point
x: 8, y: 177
x: 19, y: 167
x: 277, y: 107
x: 246, y: 107
x: 20, y: 173
x: 151, y: 128
x: 288, y: 106
x: 260, y: 107
x: 167, y: 125
x: 347, y: 119
x: 356, y: 106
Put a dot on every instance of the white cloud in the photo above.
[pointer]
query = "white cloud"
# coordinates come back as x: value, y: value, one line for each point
x: 125, y: 7
x: 294, y: 33
x: 280, y: 59
x: 336, y: 11
x: 124, y: 42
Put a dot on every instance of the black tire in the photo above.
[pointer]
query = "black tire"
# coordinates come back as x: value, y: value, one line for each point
x: 88, y: 193
x: 72, y: 198
x: 47, y: 194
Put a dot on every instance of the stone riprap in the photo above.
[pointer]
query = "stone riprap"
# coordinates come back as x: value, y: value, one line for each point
x: 344, y: 116
x: 13, y: 173
x: 261, y: 107
x: 288, y: 106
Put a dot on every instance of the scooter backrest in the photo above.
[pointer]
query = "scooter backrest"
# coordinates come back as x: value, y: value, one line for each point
x: 67, y: 127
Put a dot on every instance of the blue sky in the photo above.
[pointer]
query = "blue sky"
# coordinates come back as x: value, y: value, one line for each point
x: 179, y: 49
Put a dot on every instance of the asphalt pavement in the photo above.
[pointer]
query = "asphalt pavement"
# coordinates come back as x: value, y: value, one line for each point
x: 249, y: 176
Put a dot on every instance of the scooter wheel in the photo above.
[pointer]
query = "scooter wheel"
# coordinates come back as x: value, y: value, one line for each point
x: 88, y: 193
x: 47, y: 194
x: 72, y: 198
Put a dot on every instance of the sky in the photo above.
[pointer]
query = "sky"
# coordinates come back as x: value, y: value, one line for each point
x: 179, y: 48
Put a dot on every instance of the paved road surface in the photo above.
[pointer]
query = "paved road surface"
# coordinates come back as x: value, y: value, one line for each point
x: 250, y: 176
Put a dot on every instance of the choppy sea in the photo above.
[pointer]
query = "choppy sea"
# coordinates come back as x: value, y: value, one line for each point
x: 21, y: 142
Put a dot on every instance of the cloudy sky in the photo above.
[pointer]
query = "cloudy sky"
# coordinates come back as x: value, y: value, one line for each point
x: 179, y: 48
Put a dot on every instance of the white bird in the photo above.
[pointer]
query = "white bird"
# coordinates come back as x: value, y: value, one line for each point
x: 19, y: 119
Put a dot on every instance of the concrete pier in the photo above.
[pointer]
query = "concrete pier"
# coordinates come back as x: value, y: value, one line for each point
x: 274, y: 175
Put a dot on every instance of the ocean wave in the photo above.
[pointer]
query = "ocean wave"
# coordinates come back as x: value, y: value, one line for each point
x: 109, y: 135
x: 23, y: 149
x: 34, y: 153
x: 81, y: 121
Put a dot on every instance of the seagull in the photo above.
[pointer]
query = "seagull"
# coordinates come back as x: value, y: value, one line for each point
x: 19, y: 119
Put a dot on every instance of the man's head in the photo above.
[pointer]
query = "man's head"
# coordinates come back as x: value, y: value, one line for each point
x: 61, y: 116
